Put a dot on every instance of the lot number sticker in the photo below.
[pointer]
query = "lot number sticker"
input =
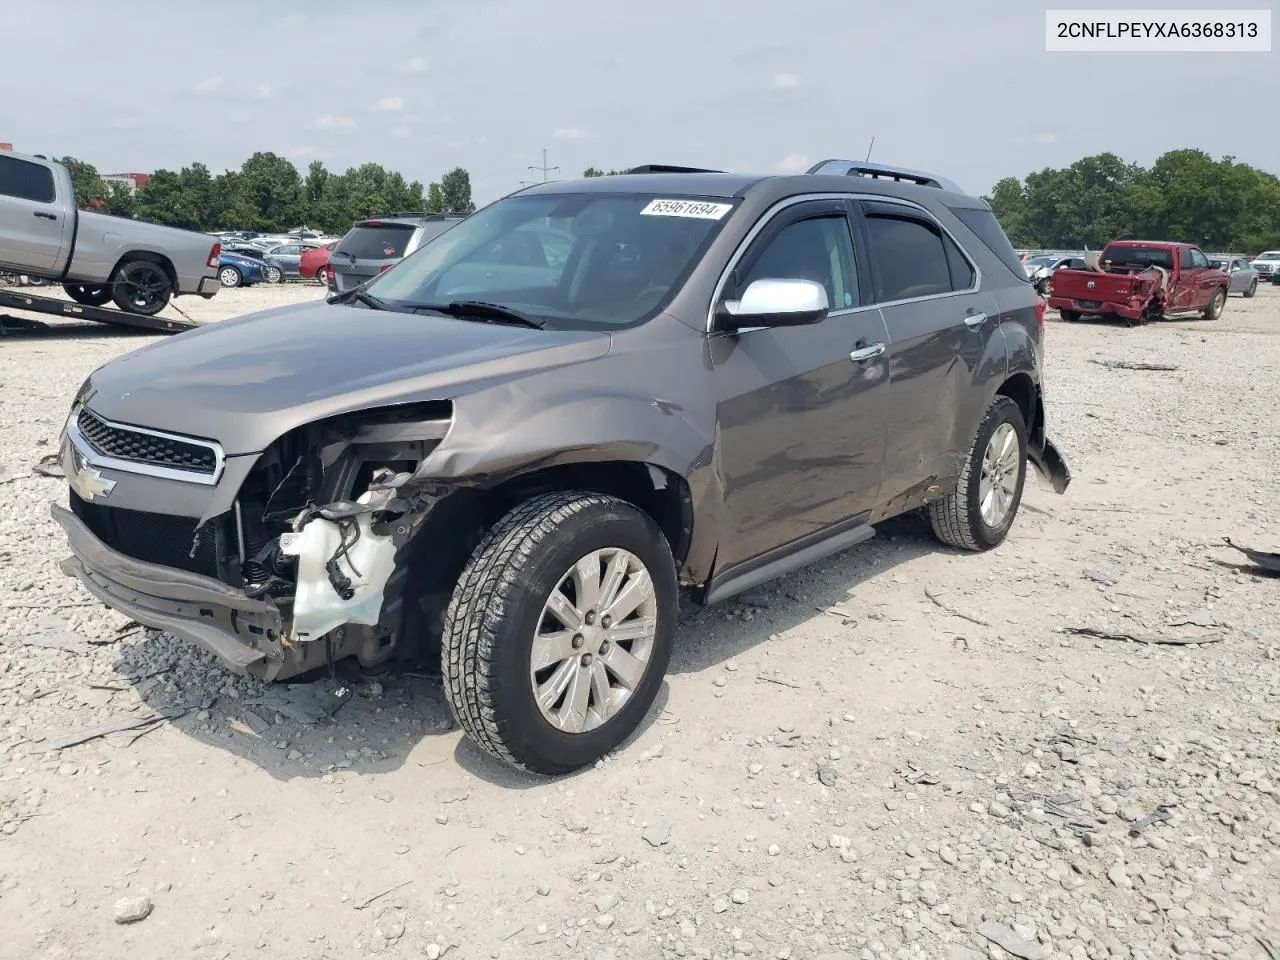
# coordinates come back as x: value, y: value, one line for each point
x: 687, y: 208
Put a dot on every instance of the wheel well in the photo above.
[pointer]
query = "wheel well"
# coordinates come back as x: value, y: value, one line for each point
x: 456, y: 525
x: 1021, y: 389
x: 157, y: 258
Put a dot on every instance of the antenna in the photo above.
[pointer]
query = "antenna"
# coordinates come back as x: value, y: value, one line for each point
x: 869, y: 146
x: 544, y: 170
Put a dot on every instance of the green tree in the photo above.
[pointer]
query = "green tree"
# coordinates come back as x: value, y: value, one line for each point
x: 455, y: 190
x: 597, y: 172
x: 120, y: 200
x: 90, y: 189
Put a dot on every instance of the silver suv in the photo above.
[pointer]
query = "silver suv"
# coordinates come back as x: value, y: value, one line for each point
x: 371, y: 246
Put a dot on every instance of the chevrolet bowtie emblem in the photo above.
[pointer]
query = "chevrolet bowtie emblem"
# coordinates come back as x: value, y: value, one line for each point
x: 88, y: 482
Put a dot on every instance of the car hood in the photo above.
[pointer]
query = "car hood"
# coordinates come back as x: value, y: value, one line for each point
x: 246, y: 381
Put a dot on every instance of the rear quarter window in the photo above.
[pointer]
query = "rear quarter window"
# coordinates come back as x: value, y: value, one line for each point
x: 986, y: 227
x: 25, y: 180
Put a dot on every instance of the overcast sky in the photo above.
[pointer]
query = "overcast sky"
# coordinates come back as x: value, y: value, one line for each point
x: 963, y: 89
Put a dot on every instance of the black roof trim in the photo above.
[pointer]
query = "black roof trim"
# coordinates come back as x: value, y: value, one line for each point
x: 668, y: 168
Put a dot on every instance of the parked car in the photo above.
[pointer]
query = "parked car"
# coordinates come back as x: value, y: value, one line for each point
x: 1267, y: 265
x: 311, y: 267
x: 372, y: 246
x: 1040, y: 267
x: 1140, y: 281
x: 723, y: 378
x: 284, y: 261
x: 1243, y: 279
x: 96, y: 258
x: 235, y: 270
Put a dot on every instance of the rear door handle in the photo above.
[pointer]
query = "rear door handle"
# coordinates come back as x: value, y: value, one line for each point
x: 975, y: 320
x: 866, y: 353
x: 45, y: 216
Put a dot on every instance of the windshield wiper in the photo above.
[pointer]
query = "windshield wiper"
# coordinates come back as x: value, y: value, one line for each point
x: 368, y: 299
x: 482, y: 308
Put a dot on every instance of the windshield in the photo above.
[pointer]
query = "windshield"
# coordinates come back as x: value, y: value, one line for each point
x: 1270, y: 255
x: 1040, y: 261
x: 576, y: 261
x: 1137, y: 257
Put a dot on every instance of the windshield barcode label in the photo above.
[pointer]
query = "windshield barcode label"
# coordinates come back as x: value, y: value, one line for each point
x: 687, y: 208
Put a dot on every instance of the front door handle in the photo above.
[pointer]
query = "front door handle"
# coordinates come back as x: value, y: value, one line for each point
x: 975, y: 320
x: 866, y: 353
x: 45, y: 216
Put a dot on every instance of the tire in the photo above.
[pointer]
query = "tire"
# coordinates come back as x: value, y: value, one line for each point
x: 230, y: 277
x: 1069, y: 316
x: 272, y: 273
x: 141, y: 287
x: 958, y: 519
x: 1214, y: 308
x: 1253, y: 288
x: 499, y: 604
x: 320, y: 279
x: 90, y: 295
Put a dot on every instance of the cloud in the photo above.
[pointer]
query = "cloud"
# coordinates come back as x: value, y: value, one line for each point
x: 126, y: 123
x: 1046, y: 138
x: 302, y: 151
x: 572, y: 133
x: 210, y: 85
x: 402, y: 132
x: 785, y: 81
x: 263, y: 91
x: 332, y: 121
x: 389, y: 104
x: 793, y: 163
x: 416, y: 65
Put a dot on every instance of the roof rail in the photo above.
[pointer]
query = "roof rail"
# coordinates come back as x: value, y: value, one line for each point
x: 415, y: 213
x: 667, y: 168
x: 880, y: 171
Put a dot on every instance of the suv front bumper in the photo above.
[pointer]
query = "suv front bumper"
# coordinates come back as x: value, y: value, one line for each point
x: 244, y: 633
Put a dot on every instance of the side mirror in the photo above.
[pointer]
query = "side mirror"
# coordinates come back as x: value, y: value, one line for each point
x: 775, y: 303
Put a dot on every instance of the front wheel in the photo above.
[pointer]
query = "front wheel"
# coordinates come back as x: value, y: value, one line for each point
x: 273, y: 273
x: 977, y: 515
x: 142, y: 287
x: 230, y: 277
x: 90, y: 295
x: 1214, y: 310
x: 559, y: 631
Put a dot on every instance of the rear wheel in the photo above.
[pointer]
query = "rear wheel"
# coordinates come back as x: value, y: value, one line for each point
x: 142, y: 287
x: 1070, y: 316
x: 977, y: 515
x: 559, y: 631
x: 91, y: 295
x: 1253, y: 288
x: 1214, y: 310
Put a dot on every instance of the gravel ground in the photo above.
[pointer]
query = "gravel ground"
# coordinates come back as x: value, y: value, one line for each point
x: 901, y: 752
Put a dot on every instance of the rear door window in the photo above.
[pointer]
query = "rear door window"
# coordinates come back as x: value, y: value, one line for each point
x: 911, y: 259
x: 25, y: 180
x: 383, y: 241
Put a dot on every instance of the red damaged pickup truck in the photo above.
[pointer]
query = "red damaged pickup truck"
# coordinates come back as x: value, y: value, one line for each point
x: 1140, y: 281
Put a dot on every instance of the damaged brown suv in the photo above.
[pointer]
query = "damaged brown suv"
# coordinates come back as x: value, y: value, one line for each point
x: 511, y: 452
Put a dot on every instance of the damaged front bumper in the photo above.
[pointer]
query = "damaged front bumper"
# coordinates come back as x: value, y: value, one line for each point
x: 244, y: 633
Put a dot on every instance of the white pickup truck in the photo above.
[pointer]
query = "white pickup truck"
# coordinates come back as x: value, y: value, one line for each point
x: 96, y: 258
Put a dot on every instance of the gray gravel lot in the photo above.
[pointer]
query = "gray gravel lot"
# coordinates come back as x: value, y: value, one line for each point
x: 899, y: 753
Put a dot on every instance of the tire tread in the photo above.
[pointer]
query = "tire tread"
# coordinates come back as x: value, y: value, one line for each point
x: 950, y: 517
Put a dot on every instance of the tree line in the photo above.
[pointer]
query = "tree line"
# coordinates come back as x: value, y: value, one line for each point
x: 1184, y: 196
x: 269, y: 194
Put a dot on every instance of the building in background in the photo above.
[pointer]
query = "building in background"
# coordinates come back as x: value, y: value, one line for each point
x: 134, y: 181
x: 6, y: 146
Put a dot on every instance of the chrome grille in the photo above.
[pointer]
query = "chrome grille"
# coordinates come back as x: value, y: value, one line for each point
x: 135, y: 446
